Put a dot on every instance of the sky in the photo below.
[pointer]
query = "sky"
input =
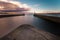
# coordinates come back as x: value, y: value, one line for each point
x: 39, y: 5
x: 45, y: 5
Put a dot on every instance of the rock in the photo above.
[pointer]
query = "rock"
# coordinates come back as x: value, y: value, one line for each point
x: 28, y: 32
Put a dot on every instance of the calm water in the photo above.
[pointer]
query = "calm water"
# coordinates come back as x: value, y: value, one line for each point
x: 7, y: 24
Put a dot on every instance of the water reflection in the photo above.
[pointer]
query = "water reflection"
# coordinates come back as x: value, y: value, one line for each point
x: 8, y: 24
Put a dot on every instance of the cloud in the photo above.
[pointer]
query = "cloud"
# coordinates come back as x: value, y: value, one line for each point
x: 5, y: 0
x: 17, y: 3
x: 21, y: 5
x: 24, y: 6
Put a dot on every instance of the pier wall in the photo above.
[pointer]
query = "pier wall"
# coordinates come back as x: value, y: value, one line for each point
x: 49, y: 18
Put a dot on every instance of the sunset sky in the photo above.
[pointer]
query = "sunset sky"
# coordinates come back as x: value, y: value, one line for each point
x: 38, y: 5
